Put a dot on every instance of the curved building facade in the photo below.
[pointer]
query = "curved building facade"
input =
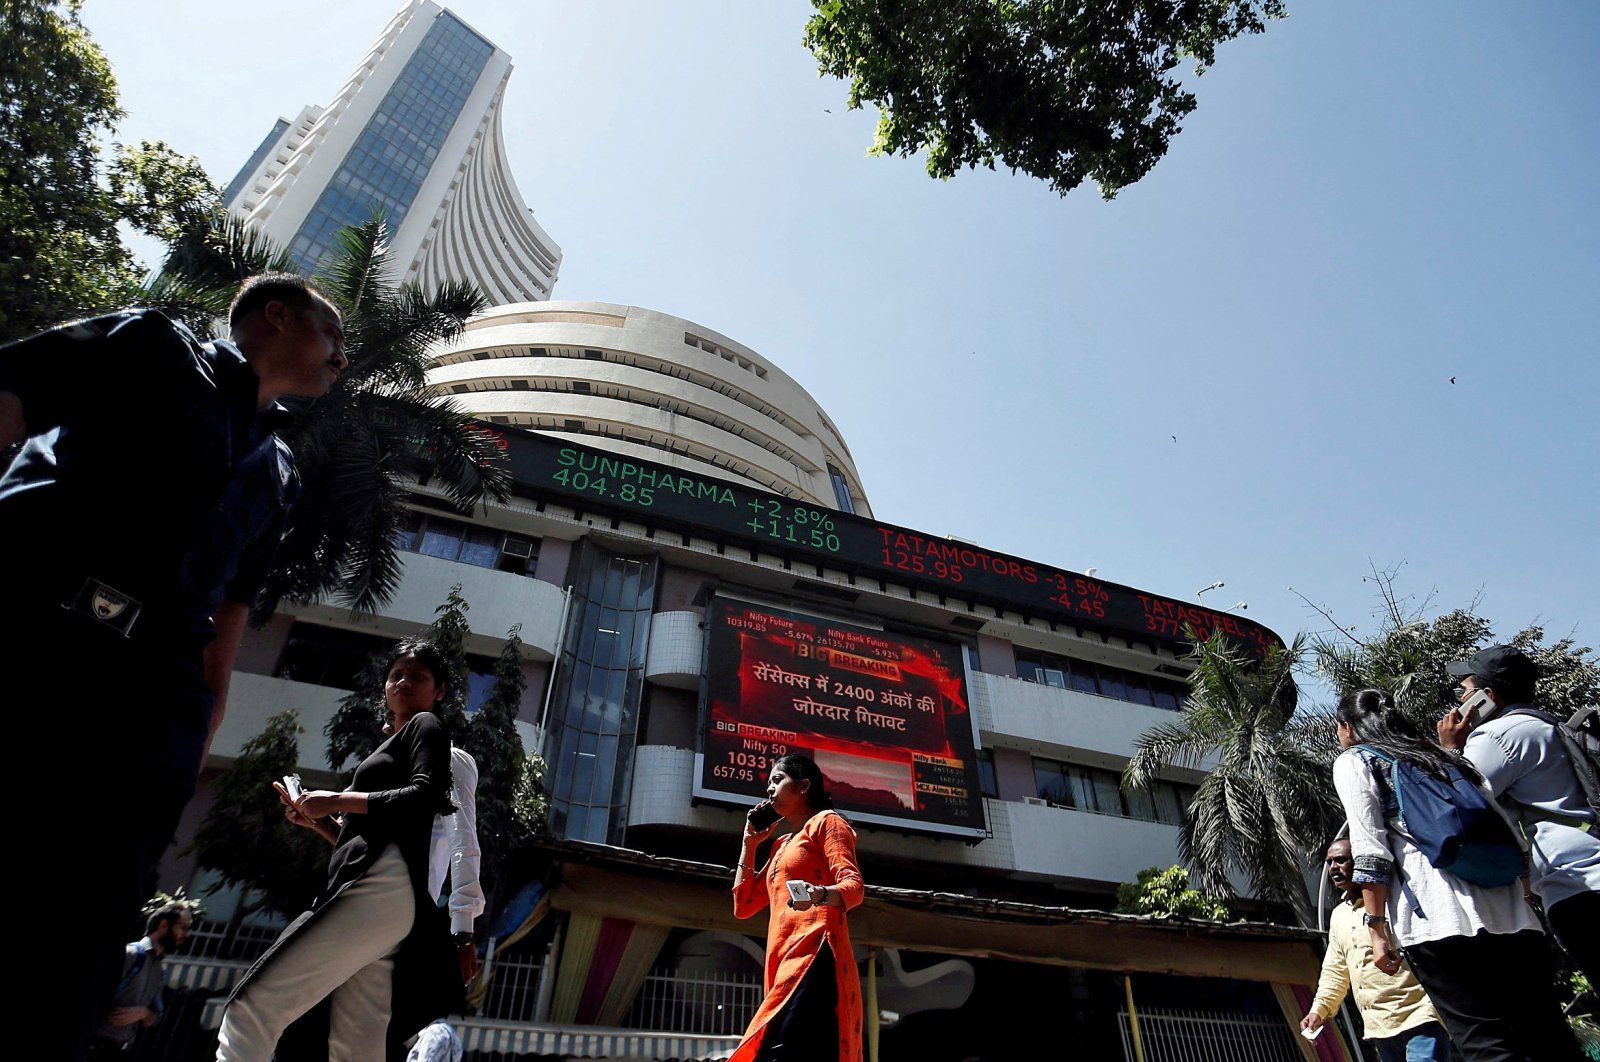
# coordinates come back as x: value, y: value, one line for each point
x: 415, y: 132
x: 652, y: 386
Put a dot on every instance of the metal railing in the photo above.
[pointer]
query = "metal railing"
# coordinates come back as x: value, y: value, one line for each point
x: 208, y: 939
x: 716, y: 1005
x: 1189, y: 1036
x: 667, y: 1002
x: 513, y: 989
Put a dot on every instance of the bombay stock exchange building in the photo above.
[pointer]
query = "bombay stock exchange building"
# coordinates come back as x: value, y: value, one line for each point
x: 700, y: 582
x: 415, y: 131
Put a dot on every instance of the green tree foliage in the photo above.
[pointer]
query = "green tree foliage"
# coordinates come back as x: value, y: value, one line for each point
x: 449, y: 631
x: 510, y: 796
x: 1061, y: 91
x: 61, y: 255
x: 1408, y: 653
x: 1266, y: 805
x: 160, y: 192
x: 379, y: 427
x: 245, y: 837
x: 1166, y: 894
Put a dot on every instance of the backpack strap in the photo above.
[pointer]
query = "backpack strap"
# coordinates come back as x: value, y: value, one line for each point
x: 140, y: 954
x: 1570, y: 747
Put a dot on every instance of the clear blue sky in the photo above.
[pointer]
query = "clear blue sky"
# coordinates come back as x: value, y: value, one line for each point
x: 1372, y: 198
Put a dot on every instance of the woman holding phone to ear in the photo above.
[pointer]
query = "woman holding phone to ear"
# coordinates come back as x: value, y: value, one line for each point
x: 812, y: 1007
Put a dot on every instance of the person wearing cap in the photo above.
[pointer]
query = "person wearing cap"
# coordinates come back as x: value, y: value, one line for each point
x: 1527, y: 767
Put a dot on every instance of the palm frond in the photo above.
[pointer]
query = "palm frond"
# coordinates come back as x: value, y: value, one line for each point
x: 357, y: 276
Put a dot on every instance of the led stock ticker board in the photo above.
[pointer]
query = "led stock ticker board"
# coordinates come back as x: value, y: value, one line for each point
x: 594, y: 480
x: 885, y: 716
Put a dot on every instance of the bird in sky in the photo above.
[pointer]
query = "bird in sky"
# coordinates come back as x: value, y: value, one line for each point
x: 1174, y: 438
x: 1452, y: 379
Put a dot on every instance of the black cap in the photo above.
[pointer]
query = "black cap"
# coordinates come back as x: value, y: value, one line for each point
x: 1500, y: 667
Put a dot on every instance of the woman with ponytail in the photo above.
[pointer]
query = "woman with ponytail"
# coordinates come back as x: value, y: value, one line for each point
x: 812, y: 1008
x: 1478, y: 950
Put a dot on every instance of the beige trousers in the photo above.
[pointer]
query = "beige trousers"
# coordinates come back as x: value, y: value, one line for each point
x: 346, y: 952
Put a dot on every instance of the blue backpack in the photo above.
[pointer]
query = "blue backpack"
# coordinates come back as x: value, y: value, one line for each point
x: 1454, y: 824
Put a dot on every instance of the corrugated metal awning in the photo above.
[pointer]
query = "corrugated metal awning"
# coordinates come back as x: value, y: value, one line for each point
x: 588, y: 1041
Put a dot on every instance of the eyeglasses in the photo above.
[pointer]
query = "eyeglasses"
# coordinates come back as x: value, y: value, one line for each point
x: 1463, y: 692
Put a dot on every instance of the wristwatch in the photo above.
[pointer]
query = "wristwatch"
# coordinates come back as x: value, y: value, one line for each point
x: 1373, y: 920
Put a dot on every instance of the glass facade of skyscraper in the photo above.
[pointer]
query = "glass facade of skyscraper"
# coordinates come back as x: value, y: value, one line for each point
x: 391, y: 158
x: 594, y: 710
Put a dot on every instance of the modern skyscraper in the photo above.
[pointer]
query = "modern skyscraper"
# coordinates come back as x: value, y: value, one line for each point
x: 415, y: 132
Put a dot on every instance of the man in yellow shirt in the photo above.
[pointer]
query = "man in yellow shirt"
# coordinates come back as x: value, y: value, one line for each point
x: 1399, y: 1019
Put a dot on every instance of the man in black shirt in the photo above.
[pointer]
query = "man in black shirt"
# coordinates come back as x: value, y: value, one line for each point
x: 137, y: 524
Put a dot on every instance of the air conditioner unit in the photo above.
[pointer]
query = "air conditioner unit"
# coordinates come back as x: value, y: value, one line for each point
x: 517, y: 547
x: 1039, y: 801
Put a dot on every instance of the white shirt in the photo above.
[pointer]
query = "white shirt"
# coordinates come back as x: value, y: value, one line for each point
x: 436, y: 1043
x: 1526, y: 765
x: 1424, y: 903
x: 454, y: 850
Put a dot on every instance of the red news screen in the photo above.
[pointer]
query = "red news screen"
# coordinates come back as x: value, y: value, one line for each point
x: 886, y: 716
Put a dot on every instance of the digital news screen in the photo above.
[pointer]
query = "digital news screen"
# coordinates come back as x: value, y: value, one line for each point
x: 885, y: 716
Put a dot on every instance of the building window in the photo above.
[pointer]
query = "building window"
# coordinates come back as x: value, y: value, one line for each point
x: 841, y: 490
x: 1097, y: 790
x: 1101, y: 680
x: 329, y: 656
x: 986, y: 780
x: 456, y: 540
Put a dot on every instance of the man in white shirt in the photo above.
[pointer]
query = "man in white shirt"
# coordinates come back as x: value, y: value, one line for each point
x: 1528, y: 768
x: 455, y: 854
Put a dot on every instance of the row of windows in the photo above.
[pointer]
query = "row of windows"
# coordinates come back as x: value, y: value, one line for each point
x: 1081, y: 675
x: 1071, y: 785
x: 650, y: 401
x: 330, y: 656
x: 456, y: 540
x: 1094, y: 789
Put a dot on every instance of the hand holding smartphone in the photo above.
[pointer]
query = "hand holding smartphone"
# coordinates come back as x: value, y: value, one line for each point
x: 762, y: 816
x: 799, y: 892
x: 291, y: 783
x: 1473, y: 706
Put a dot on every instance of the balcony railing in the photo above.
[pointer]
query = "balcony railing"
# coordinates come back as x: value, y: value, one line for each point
x: 1189, y: 1036
x: 718, y: 1005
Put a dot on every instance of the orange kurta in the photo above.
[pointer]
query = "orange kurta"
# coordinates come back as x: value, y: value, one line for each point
x: 822, y: 852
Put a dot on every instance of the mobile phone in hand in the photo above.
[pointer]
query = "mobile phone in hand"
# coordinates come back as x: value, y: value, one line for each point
x: 1474, y: 706
x: 762, y: 815
x: 291, y: 782
x: 798, y: 892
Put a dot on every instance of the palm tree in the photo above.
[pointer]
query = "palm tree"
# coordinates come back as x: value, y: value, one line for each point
x: 1267, y: 802
x: 379, y: 426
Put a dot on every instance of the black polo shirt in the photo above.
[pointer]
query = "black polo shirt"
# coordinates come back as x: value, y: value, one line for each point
x: 147, y: 471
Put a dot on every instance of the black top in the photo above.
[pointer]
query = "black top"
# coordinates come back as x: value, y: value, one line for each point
x: 147, y: 467
x: 407, y: 782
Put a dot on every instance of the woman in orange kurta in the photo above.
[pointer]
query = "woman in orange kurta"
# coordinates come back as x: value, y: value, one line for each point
x: 812, y: 1009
